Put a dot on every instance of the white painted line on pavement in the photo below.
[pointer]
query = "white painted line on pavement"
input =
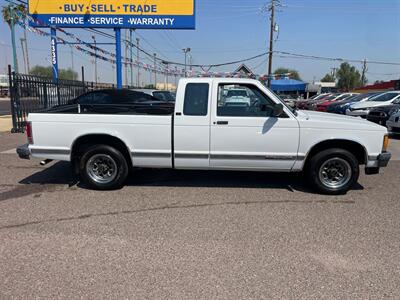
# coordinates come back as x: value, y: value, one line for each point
x: 11, y: 151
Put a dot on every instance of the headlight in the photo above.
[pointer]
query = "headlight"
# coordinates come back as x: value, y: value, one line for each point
x: 394, y: 111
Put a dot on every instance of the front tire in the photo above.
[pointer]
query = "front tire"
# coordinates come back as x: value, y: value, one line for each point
x: 333, y: 171
x: 103, y: 167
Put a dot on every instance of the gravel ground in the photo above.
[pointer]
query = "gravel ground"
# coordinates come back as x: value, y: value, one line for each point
x: 183, y: 234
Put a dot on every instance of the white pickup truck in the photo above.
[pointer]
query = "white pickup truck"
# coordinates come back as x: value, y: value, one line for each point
x: 203, y: 133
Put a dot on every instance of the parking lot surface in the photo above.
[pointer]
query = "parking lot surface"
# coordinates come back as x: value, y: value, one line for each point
x: 5, y: 107
x: 183, y: 234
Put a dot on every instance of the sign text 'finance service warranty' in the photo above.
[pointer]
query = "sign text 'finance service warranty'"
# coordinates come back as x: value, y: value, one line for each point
x: 145, y: 14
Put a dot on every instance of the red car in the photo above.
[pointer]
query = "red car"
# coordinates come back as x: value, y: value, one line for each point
x: 305, y: 104
x: 324, y: 105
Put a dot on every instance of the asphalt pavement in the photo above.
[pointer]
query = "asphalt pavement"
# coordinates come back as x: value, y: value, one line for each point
x: 5, y: 107
x: 189, y: 235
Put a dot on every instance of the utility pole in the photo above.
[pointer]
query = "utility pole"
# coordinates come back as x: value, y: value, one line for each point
x: 26, y: 51
x: 131, y: 54
x: 186, y: 51
x: 364, y: 71
x: 23, y: 54
x: 155, y: 70
x: 333, y: 71
x: 271, y: 39
x: 137, y: 60
x: 176, y: 75
x: 95, y: 59
x: 126, y: 56
x: 72, y: 60
x: 165, y: 75
x: 14, y: 47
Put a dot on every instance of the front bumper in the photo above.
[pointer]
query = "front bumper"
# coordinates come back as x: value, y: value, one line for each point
x: 374, y: 164
x: 357, y: 113
x: 23, y: 151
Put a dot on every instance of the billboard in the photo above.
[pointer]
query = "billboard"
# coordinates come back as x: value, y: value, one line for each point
x: 140, y: 14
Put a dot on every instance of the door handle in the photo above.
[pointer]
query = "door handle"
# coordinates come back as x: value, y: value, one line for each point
x: 222, y: 122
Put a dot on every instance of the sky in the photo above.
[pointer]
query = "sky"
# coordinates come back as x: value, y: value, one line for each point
x: 238, y: 29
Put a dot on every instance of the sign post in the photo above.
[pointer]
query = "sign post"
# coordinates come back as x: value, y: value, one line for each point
x: 116, y: 14
x: 54, y: 54
x: 118, y: 55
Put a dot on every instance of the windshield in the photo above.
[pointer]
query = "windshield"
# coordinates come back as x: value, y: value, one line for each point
x: 236, y: 93
x: 163, y: 96
x: 384, y: 97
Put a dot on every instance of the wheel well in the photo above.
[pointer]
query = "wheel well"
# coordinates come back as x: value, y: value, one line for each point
x: 353, y: 147
x: 86, y: 141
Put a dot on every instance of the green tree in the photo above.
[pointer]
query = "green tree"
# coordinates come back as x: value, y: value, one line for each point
x: 348, y: 77
x: 48, y: 72
x: 328, y: 78
x: 294, y: 74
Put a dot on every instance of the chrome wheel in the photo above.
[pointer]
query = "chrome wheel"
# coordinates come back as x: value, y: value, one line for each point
x: 335, y: 173
x: 101, y: 168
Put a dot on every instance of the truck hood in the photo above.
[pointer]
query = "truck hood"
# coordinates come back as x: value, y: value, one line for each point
x: 367, y: 104
x: 313, y: 119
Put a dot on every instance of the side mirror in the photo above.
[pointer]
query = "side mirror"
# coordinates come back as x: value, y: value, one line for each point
x: 278, y: 110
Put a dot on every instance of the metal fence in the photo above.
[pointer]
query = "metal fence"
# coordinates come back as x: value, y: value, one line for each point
x: 30, y: 93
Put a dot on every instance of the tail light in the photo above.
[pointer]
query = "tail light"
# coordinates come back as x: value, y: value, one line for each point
x: 29, y: 132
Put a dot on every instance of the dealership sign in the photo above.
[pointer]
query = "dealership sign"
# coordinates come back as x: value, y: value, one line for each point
x: 140, y: 14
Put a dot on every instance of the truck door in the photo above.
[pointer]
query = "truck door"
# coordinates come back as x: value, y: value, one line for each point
x: 244, y: 132
x: 192, y: 124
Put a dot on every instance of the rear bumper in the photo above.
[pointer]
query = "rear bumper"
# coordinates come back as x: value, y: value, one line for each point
x: 23, y: 151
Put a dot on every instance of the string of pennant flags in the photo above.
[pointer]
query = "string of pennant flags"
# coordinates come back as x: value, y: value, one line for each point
x: 108, y: 56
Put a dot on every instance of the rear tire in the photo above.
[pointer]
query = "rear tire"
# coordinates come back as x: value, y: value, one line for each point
x: 103, y: 167
x: 333, y: 171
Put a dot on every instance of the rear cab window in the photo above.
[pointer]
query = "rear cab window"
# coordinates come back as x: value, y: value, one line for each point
x: 196, y: 99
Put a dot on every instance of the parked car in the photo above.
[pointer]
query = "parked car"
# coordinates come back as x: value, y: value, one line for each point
x: 361, y: 109
x: 310, y: 105
x: 302, y: 104
x: 201, y: 134
x: 160, y: 95
x: 393, y: 123
x: 342, y: 106
x: 236, y: 97
x: 289, y: 99
x: 324, y: 105
x: 115, y: 101
x: 381, y: 114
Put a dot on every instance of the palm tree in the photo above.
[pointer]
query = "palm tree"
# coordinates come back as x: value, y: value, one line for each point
x: 12, y: 14
x: 19, y: 10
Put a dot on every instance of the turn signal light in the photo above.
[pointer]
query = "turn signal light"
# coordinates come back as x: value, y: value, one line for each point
x: 385, y: 143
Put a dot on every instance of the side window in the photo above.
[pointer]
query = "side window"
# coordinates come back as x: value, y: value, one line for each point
x: 196, y: 99
x: 95, y: 98
x: 243, y: 100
